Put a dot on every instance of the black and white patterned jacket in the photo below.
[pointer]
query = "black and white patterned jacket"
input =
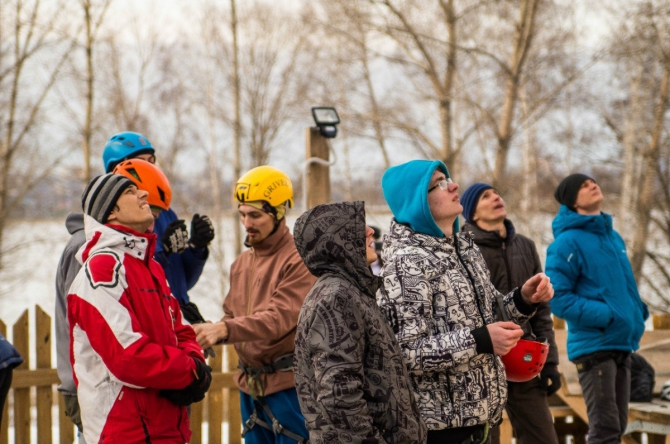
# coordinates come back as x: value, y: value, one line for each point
x: 435, y: 294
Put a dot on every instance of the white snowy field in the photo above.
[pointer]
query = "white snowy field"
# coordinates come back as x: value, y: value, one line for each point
x: 31, y: 254
x: 32, y: 250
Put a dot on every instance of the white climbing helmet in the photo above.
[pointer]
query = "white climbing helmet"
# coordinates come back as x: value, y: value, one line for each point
x: 665, y: 391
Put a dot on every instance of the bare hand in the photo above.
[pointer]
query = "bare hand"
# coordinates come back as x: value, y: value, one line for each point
x: 504, y: 336
x: 537, y: 289
x: 209, y: 334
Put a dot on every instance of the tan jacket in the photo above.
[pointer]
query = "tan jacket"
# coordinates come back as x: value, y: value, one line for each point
x: 268, y: 284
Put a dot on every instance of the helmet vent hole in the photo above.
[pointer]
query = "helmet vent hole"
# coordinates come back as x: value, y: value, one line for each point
x: 133, y: 172
x: 161, y: 195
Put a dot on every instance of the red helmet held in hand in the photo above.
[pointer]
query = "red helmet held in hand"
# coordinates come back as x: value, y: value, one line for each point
x: 526, y: 359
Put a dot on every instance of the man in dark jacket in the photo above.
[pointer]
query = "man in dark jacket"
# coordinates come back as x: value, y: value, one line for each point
x: 597, y: 295
x: 512, y: 259
x: 352, y: 384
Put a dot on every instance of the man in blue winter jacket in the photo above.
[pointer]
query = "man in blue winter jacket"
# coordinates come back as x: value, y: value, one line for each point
x: 596, y: 293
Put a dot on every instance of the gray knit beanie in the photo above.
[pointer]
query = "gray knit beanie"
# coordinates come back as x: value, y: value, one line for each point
x: 101, y: 195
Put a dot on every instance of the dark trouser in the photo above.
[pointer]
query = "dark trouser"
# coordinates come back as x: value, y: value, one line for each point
x: 456, y: 436
x: 5, y: 383
x: 529, y: 414
x: 606, y: 390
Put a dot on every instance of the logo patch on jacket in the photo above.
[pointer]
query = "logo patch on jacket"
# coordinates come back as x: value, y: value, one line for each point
x: 102, y: 269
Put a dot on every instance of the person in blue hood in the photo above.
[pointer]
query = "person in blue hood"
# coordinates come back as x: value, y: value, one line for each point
x: 438, y: 297
x: 597, y: 295
x: 9, y: 359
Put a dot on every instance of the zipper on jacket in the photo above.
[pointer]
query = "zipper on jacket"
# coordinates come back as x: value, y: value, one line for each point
x: 507, y: 270
x: 472, y: 280
x: 449, y: 392
x: 147, y: 437
x: 249, y: 285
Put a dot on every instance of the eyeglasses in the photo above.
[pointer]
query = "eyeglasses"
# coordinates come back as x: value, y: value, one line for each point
x: 443, y: 185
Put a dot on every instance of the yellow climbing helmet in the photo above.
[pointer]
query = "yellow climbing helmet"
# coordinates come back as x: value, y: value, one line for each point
x: 265, y: 183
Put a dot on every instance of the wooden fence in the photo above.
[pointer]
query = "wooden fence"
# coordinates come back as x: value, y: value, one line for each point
x: 34, y: 387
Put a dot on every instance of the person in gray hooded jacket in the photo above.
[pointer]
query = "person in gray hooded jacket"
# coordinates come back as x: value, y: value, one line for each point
x: 351, y: 381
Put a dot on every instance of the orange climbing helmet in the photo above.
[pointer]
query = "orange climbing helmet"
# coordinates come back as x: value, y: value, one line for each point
x: 149, y: 178
x: 526, y: 359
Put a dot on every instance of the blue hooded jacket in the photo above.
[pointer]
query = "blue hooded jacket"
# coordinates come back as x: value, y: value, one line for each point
x: 9, y: 357
x: 595, y: 291
x: 181, y: 270
x: 405, y: 189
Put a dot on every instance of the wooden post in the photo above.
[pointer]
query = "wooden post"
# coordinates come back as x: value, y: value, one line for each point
x: 196, y: 423
x: 317, y: 183
x: 234, y: 410
x: 559, y: 324
x: 22, y: 395
x: 215, y: 400
x: 66, y: 428
x: 661, y: 321
x: 44, y: 394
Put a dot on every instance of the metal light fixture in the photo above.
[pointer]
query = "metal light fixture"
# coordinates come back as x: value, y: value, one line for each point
x: 326, y: 120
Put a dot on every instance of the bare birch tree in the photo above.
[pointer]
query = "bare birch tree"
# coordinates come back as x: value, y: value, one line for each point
x: 93, y: 17
x: 30, y: 33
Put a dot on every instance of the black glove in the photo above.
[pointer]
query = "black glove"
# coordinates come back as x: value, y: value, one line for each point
x: 202, y: 231
x: 550, y: 379
x: 195, y: 392
x: 191, y: 313
x: 175, y: 238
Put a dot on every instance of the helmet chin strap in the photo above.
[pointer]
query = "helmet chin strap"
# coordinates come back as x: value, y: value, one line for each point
x: 277, y: 222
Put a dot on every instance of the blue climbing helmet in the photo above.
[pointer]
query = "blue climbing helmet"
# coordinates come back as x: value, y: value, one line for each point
x: 124, y: 145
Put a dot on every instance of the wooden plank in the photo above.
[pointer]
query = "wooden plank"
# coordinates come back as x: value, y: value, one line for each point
x: 215, y: 402
x: 561, y: 411
x: 657, y: 439
x: 196, y: 423
x: 661, y: 321
x: 66, y: 428
x: 559, y: 324
x: 577, y: 429
x: 223, y: 381
x: 22, y: 396
x: 41, y: 377
x: 575, y: 402
x: 44, y: 397
x: 627, y: 439
x: 658, y: 412
x: 234, y: 413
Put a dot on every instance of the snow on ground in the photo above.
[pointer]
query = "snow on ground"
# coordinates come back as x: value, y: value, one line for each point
x: 33, y: 248
x: 31, y: 254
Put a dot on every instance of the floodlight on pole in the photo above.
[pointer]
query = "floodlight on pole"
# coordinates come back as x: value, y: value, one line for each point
x: 326, y: 120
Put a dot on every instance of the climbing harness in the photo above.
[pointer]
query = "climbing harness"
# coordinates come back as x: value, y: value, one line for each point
x: 282, y: 364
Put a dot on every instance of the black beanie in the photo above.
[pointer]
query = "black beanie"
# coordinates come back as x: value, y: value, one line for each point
x: 567, y: 190
x: 101, y: 195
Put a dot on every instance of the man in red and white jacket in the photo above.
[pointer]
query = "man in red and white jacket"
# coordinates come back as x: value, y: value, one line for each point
x: 136, y: 365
